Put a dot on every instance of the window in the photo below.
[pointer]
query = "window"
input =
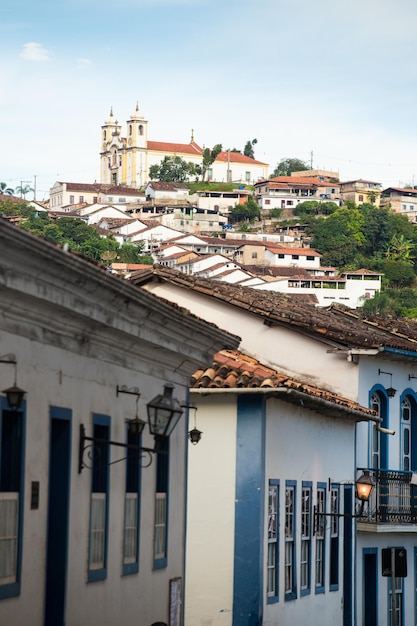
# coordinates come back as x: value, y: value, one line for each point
x: 272, y: 564
x: 305, y: 558
x: 406, y: 434
x: 289, y: 566
x: 320, y: 538
x: 281, y: 256
x: 247, y: 176
x: 81, y: 199
x: 334, y: 539
x: 360, y: 197
x: 378, y: 453
x: 97, y: 561
x: 398, y: 601
x: 404, y: 207
x: 254, y: 255
x: 310, y: 257
x: 295, y: 256
x: 161, y: 505
x: 11, y: 504
x: 132, y: 506
x: 71, y: 199
x: 375, y: 435
x: 267, y: 201
x: 122, y: 199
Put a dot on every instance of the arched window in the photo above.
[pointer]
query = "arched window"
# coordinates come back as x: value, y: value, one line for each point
x: 130, y: 130
x: 140, y: 129
x: 375, y: 405
x: 408, y: 425
x: 104, y: 135
x: 378, y: 445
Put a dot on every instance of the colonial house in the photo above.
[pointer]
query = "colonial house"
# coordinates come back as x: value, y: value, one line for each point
x: 268, y: 446
x: 127, y: 159
x: 360, y: 191
x: 222, y: 201
x: 65, y: 195
x: 371, y: 361
x: 403, y: 201
x: 285, y: 192
x: 350, y: 288
x: 235, y: 167
x: 156, y: 190
x: 92, y: 511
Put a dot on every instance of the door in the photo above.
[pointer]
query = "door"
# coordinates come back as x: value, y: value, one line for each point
x: 370, y: 588
x: 58, y: 509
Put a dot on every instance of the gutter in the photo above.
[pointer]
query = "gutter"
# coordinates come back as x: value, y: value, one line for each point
x: 272, y: 391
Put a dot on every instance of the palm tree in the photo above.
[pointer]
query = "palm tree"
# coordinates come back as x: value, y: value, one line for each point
x: 23, y: 190
x: 400, y: 249
x: 4, y: 189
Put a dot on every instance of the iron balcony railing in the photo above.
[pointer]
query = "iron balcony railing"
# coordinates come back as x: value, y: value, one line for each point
x: 393, y: 499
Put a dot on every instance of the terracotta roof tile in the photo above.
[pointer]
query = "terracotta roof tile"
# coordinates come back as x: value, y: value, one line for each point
x: 185, y: 148
x: 232, y: 369
x: 345, y: 328
x: 237, y: 157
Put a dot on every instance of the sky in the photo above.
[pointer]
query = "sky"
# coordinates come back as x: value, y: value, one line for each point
x: 331, y: 83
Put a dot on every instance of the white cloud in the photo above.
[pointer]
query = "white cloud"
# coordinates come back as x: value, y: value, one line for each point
x: 34, y: 52
x: 83, y: 62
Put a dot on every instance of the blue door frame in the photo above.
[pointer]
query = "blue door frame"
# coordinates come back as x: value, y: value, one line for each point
x: 58, y: 516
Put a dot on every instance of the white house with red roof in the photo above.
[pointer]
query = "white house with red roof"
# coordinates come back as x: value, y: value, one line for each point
x: 125, y: 160
x: 237, y: 168
x: 66, y: 194
x: 285, y: 192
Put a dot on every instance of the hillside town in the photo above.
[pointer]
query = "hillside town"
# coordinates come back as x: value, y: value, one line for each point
x: 221, y: 435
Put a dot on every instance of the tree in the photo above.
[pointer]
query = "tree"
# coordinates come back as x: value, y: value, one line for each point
x: 248, y: 211
x: 172, y: 169
x: 400, y: 249
x: 23, y: 190
x: 339, y: 237
x: 399, y: 274
x: 286, y: 166
x: 248, y: 149
x: 209, y: 156
x: 4, y: 189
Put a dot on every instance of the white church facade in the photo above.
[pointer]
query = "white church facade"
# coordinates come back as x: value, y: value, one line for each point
x: 125, y: 160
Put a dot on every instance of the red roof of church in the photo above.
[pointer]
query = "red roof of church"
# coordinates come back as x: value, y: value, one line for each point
x: 185, y: 148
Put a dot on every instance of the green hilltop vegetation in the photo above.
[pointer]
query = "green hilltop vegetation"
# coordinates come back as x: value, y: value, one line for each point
x: 76, y: 233
x: 349, y: 237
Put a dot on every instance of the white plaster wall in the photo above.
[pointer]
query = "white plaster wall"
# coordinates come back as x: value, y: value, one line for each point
x: 302, y: 446
x: 55, y: 377
x: 210, y: 514
x: 286, y: 350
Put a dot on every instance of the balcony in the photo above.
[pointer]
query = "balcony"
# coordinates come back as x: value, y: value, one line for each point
x: 393, y: 500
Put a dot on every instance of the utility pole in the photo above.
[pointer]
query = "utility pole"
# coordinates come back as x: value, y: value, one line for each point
x: 311, y: 160
x: 34, y: 188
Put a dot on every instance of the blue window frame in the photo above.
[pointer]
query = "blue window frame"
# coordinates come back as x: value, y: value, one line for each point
x: 378, y: 444
x: 320, y: 540
x: 306, y: 527
x: 12, y: 429
x: 290, y: 569
x: 272, y: 586
x: 99, y: 503
x: 334, y: 538
x: 132, y: 506
x: 160, y: 557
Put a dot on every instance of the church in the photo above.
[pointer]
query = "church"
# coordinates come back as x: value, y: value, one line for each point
x: 125, y: 160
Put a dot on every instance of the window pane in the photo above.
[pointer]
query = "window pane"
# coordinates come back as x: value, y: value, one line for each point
x: 9, y: 523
